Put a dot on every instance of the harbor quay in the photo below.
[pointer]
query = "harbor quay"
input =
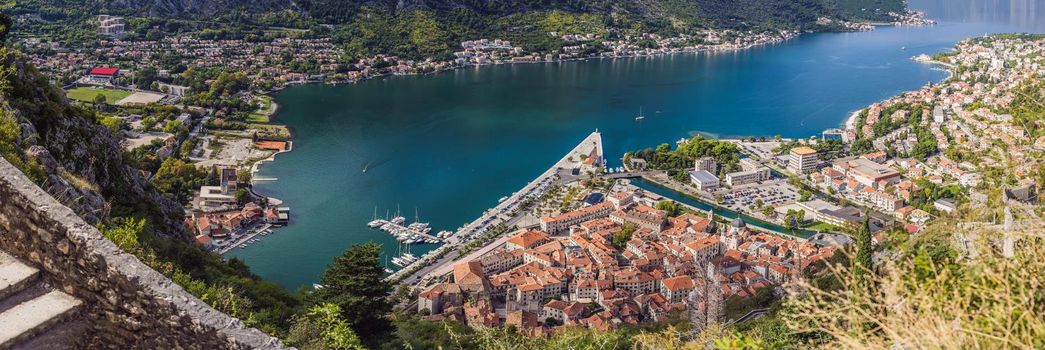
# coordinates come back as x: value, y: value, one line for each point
x: 586, y: 156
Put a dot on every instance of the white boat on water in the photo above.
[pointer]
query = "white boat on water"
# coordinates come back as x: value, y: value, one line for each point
x: 389, y: 271
x: 377, y: 223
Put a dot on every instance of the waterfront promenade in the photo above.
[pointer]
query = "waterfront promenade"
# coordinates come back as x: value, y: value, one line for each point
x: 439, y: 262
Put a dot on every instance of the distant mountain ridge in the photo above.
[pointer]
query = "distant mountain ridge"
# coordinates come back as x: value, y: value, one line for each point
x: 723, y: 12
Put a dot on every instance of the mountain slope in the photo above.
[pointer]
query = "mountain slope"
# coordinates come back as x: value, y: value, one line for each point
x: 722, y: 12
x: 69, y: 154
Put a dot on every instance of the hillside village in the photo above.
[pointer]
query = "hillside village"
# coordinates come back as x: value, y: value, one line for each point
x: 902, y: 161
x: 954, y: 140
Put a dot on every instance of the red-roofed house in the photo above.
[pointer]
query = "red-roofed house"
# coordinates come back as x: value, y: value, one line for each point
x: 526, y: 240
x: 676, y: 289
x: 470, y: 276
x: 438, y: 296
x: 103, y: 75
x: 204, y: 241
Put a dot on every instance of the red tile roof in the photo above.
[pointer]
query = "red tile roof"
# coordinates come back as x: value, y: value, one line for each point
x: 529, y: 239
x: 203, y: 240
x: 678, y: 283
x: 105, y: 71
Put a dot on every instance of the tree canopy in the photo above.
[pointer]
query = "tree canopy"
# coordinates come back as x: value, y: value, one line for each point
x: 353, y: 282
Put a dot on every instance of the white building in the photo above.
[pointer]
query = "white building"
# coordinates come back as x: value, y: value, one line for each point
x: 176, y: 90
x: 802, y: 159
x: 215, y: 197
x: 938, y: 114
x: 707, y: 164
x: 753, y: 172
x: 111, y: 25
x: 704, y: 180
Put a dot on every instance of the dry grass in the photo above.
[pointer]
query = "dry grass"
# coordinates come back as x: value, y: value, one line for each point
x: 673, y: 339
x: 79, y: 182
x: 984, y: 302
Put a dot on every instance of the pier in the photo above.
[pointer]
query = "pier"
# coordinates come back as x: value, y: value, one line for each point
x: 251, y: 233
x: 398, y: 230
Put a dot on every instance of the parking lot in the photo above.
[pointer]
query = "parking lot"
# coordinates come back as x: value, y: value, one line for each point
x: 773, y: 193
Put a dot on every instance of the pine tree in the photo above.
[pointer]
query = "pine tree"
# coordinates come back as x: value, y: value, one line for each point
x: 354, y: 283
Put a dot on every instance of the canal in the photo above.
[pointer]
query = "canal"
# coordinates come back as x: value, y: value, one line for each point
x: 720, y: 211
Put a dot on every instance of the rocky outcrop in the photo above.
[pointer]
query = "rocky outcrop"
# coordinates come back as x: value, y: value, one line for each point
x: 83, y: 160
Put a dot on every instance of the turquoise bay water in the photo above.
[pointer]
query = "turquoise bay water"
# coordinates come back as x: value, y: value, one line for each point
x: 451, y: 144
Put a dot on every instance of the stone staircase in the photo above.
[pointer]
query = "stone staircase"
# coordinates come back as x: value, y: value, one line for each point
x: 33, y: 315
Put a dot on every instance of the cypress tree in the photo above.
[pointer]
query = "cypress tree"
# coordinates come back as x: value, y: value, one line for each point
x: 865, y: 249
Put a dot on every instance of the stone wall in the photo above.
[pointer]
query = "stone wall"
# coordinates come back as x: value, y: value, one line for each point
x: 127, y: 304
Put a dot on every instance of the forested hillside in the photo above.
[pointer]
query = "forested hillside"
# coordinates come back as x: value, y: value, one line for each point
x: 433, y: 28
x: 344, y: 11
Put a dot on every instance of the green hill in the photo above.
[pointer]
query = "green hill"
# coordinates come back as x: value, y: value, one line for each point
x: 433, y: 28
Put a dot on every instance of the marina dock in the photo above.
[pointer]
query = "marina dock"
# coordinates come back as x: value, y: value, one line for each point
x: 244, y: 239
x: 399, y: 230
x: 438, y: 264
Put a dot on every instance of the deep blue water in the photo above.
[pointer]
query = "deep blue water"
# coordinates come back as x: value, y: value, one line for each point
x: 451, y: 144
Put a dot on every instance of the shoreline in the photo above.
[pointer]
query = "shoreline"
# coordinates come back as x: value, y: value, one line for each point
x: 848, y: 123
x: 783, y: 36
x: 692, y: 50
x: 254, y: 167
